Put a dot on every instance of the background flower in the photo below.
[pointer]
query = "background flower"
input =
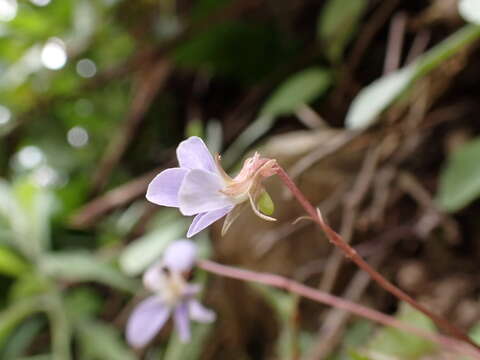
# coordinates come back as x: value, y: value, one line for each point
x: 173, y: 296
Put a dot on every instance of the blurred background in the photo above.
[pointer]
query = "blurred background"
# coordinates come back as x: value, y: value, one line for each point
x: 371, y: 106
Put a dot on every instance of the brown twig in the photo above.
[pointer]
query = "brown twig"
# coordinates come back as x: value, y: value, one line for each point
x: 350, y: 211
x: 149, y: 82
x: 395, y: 43
x: 331, y: 300
x: 119, y: 196
x: 352, y: 254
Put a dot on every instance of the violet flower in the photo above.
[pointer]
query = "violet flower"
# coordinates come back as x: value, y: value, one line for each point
x: 200, y: 187
x: 173, y: 296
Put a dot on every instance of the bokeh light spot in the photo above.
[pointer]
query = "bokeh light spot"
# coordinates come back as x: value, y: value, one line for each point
x: 5, y: 115
x: 54, y: 54
x: 77, y: 136
x: 86, y: 68
x: 8, y: 10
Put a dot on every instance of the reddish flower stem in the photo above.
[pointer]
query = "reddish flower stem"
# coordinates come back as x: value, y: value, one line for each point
x: 352, y: 254
x: 331, y: 300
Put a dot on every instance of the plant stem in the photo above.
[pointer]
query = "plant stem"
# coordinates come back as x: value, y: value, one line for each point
x: 331, y: 300
x: 352, y: 254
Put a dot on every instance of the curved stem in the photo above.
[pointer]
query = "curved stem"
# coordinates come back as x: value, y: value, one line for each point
x: 331, y: 300
x: 352, y: 254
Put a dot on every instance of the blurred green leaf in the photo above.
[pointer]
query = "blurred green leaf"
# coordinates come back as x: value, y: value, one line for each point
x: 460, y: 179
x: 13, y: 315
x: 337, y: 24
x: 372, y: 100
x: 300, y: 88
x: 216, y: 50
x: 353, y: 355
x: 145, y: 250
x: 82, y: 266
x: 474, y: 333
x: 22, y: 338
x: 61, y: 331
x: 376, y: 97
x: 194, y: 128
x: 100, y: 341
x: 285, y: 306
x: 82, y: 303
x: 28, y: 285
x: 392, y: 341
x: 10, y: 263
x: 37, y: 205
x: 177, y: 350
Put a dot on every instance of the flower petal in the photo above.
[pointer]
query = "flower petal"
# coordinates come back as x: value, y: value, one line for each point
x: 163, y: 189
x: 153, y: 278
x: 193, y: 154
x: 201, y: 221
x: 180, y: 255
x: 182, y: 322
x: 146, y: 321
x: 201, y: 192
x: 200, y: 313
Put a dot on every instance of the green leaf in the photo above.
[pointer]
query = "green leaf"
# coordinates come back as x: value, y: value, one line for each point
x: 375, y: 98
x: 28, y: 285
x: 100, y: 341
x: 12, y: 264
x: 80, y: 266
x: 284, y: 305
x: 145, y: 250
x: 61, y: 331
x: 460, y: 179
x: 37, y: 205
x: 176, y: 350
x: 395, y: 342
x: 337, y: 24
x: 301, y: 88
x: 13, y: 315
x: 19, y: 342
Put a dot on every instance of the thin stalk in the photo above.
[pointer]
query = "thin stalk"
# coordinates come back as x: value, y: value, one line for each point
x: 352, y: 254
x: 334, y: 301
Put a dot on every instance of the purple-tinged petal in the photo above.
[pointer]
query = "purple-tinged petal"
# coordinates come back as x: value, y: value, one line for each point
x: 163, y: 189
x: 182, y: 322
x: 192, y: 290
x: 201, y: 192
x: 180, y: 255
x: 193, y: 154
x: 200, y: 313
x: 201, y: 221
x: 146, y: 321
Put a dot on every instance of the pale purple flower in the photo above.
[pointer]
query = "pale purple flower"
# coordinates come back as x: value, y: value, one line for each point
x: 173, y: 297
x: 200, y: 187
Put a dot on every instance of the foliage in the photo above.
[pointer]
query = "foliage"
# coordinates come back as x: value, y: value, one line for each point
x: 95, y: 95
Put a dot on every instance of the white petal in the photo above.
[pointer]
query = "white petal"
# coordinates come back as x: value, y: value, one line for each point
x: 163, y: 189
x: 201, y: 221
x: 200, y: 313
x: 193, y: 154
x: 180, y: 255
x: 201, y: 192
x: 182, y: 322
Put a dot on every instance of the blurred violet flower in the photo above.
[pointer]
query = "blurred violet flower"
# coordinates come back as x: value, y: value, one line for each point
x: 173, y: 296
x: 200, y: 186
